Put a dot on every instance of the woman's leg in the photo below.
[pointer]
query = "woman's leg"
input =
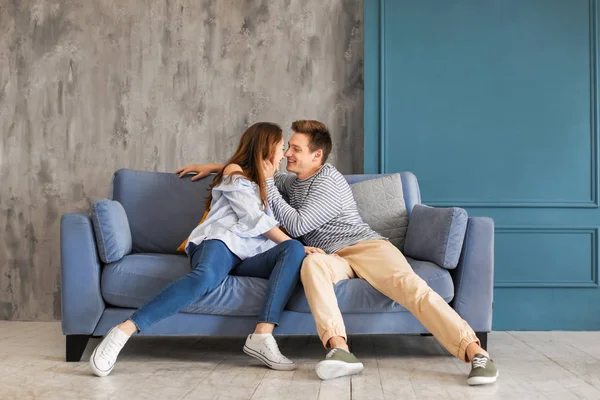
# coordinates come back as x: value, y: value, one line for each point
x: 281, y: 266
x: 211, y: 263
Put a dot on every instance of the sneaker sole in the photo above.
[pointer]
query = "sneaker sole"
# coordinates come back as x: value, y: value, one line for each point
x: 330, y: 369
x: 482, y: 380
x: 267, y: 362
x: 98, y: 372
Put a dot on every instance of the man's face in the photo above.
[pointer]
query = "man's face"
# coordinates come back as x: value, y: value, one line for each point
x: 300, y: 159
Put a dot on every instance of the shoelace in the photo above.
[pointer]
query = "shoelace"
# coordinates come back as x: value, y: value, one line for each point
x: 479, y: 362
x: 271, y: 345
x: 110, y: 349
x: 331, y: 353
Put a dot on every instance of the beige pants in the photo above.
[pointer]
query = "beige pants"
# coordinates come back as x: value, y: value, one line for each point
x: 382, y: 265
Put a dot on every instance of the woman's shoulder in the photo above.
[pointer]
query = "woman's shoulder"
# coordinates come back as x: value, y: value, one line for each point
x: 233, y: 179
x: 231, y: 168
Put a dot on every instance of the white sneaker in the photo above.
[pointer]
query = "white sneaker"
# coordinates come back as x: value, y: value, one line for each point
x: 105, y: 354
x: 263, y: 347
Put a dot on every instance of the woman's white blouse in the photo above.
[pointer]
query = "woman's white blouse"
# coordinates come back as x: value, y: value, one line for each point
x: 237, y: 218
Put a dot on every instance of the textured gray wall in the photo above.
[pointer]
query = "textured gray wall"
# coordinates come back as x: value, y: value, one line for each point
x: 87, y: 87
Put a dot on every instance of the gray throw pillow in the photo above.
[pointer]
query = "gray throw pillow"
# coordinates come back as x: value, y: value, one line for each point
x: 113, y: 236
x: 380, y: 203
x: 436, y: 235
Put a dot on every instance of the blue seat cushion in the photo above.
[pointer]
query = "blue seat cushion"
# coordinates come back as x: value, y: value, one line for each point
x: 358, y: 296
x: 137, y: 278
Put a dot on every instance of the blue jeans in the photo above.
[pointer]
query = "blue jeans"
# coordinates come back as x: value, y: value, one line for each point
x: 211, y: 262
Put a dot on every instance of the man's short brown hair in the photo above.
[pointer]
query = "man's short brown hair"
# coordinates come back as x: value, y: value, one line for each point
x: 318, y: 134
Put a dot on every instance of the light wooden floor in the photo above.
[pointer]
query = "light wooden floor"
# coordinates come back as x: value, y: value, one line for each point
x: 533, y: 365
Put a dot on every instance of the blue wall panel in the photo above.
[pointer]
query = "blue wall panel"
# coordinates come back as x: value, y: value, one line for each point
x: 493, y: 105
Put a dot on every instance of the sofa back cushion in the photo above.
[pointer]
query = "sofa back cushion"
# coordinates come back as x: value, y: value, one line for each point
x: 410, y: 186
x: 380, y: 203
x: 162, y: 208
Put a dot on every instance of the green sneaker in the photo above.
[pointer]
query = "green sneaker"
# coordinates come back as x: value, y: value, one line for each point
x: 338, y: 362
x: 483, y: 371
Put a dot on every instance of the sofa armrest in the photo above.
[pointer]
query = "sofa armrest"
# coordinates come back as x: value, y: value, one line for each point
x: 82, y: 303
x: 474, y: 276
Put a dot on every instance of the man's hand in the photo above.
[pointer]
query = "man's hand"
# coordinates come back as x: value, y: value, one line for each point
x: 269, y: 168
x: 201, y: 170
x: 313, y: 250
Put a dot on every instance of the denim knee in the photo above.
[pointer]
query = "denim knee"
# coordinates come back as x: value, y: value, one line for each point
x: 295, y: 249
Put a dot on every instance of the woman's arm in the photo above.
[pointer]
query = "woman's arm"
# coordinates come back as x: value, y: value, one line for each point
x: 277, y: 235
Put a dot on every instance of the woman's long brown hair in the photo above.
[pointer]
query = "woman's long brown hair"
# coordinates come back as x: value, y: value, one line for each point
x: 257, y: 144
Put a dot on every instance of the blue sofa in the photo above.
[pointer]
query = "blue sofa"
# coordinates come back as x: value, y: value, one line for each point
x: 163, y: 209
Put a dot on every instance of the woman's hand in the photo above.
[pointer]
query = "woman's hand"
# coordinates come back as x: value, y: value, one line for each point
x: 313, y: 250
x: 201, y: 170
x: 269, y: 168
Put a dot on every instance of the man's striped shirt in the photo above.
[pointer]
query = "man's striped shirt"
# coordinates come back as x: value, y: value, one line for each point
x: 321, y: 211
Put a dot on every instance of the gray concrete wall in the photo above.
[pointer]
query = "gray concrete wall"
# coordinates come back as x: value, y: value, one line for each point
x: 87, y: 87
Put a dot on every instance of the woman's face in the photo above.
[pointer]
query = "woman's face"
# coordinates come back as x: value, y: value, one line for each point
x: 279, y: 150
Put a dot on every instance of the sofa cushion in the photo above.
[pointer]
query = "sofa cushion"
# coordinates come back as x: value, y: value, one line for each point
x: 137, y: 278
x: 162, y: 208
x: 436, y: 235
x: 380, y: 203
x: 410, y: 186
x: 111, y: 227
x: 358, y: 296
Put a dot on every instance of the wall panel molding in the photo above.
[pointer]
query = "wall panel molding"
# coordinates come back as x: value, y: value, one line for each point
x: 376, y: 117
x: 593, y: 267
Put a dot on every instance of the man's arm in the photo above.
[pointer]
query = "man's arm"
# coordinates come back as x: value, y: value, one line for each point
x: 283, y: 181
x: 201, y: 170
x: 322, y: 204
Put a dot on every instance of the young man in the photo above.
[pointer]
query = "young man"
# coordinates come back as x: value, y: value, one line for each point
x: 323, y: 214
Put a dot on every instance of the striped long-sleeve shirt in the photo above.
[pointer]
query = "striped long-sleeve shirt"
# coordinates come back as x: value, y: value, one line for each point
x: 321, y: 210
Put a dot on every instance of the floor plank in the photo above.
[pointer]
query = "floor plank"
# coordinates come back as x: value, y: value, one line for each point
x: 533, y: 365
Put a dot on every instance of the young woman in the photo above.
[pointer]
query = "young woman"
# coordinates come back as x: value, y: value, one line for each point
x: 240, y: 234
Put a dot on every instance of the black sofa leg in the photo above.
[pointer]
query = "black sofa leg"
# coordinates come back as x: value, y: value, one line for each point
x: 76, y: 346
x: 482, y: 336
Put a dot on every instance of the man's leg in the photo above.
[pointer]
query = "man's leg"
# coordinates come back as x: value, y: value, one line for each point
x: 382, y: 265
x: 319, y: 273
